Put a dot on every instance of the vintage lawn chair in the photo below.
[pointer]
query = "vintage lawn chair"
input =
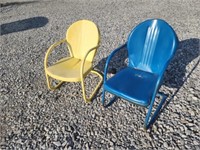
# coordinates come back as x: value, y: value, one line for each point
x: 82, y: 40
x: 151, y: 46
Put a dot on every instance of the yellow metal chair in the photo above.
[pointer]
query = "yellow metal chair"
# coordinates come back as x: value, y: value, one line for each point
x: 82, y: 39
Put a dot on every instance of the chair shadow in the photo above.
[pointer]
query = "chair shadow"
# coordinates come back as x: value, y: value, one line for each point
x: 188, y: 50
x: 22, y: 25
x: 175, y: 75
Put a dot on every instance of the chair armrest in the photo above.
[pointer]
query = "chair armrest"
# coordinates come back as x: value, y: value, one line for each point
x: 109, y: 59
x: 52, y: 47
x: 83, y: 62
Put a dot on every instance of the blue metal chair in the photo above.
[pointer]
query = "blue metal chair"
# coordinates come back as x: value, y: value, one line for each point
x: 151, y: 46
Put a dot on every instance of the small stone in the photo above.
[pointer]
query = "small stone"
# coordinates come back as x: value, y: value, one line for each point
x: 192, y: 113
x: 69, y: 148
x: 47, y: 136
x: 171, y: 129
x: 190, y: 124
x: 165, y: 144
x: 88, y: 134
x: 64, y: 144
x: 111, y: 148
x: 183, y: 135
x: 43, y: 146
x: 111, y: 143
x: 195, y: 98
x: 39, y: 92
x: 182, y: 128
x: 155, y: 129
x: 65, y: 148
x: 187, y: 132
x: 57, y: 143
x: 187, y: 146
x: 195, y: 142
x: 114, y: 139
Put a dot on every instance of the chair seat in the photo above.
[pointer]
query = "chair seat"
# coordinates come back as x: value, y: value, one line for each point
x: 133, y: 85
x: 68, y: 69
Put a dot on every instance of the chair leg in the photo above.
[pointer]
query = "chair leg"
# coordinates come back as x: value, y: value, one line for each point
x: 103, y: 97
x: 112, y: 100
x: 155, y: 114
x: 96, y: 88
x: 49, y: 83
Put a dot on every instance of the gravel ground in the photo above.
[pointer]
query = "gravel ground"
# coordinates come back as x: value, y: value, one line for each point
x: 33, y: 117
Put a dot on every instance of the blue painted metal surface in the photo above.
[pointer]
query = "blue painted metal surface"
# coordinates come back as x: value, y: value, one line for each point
x: 151, y: 45
x: 129, y: 83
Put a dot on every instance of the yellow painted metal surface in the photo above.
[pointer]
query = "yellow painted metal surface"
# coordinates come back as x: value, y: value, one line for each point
x: 68, y: 70
x: 82, y: 36
x: 82, y: 39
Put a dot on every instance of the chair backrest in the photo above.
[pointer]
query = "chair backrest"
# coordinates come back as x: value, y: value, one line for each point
x: 151, y: 45
x: 82, y: 36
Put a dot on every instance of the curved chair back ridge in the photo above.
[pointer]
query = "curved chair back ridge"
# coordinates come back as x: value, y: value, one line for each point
x: 82, y: 36
x: 148, y: 47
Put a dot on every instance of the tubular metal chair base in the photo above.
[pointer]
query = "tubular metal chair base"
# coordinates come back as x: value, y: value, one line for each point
x: 148, y: 121
x: 87, y: 99
x: 49, y: 84
x: 112, y: 100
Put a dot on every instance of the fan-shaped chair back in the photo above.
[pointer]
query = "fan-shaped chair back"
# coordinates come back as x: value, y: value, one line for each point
x: 149, y: 48
x: 82, y: 36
